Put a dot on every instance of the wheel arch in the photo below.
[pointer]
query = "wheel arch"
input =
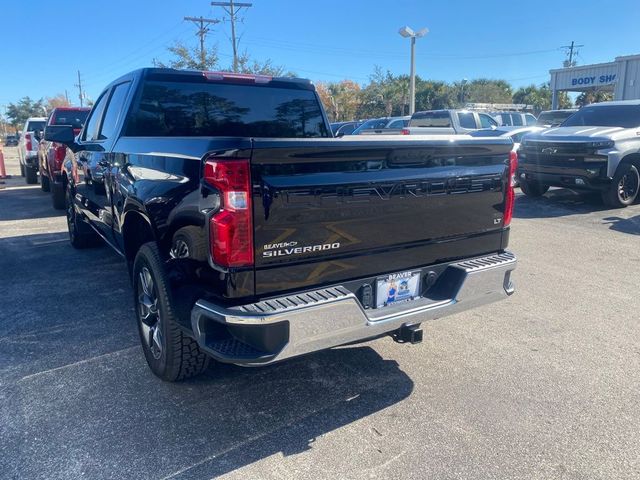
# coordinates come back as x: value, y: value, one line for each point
x: 633, y: 158
x: 184, y: 219
x: 137, y: 229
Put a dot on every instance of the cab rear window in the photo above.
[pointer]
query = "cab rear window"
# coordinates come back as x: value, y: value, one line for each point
x: 184, y: 109
x: 74, y: 118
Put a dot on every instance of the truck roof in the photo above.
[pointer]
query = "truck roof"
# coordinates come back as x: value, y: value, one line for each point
x: 214, y: 76
x: 615, y: 102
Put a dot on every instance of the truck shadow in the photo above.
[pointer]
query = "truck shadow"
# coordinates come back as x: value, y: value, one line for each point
x: 25, y: 203
x: 624, y: 225
x: 79, y: 399
x: 558, y: 202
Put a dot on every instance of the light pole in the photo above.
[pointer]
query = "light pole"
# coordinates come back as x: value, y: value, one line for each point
x: 462, y: 84
x: 407, y: 32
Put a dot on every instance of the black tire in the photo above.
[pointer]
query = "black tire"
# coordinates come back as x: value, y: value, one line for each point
x: 171, y: 354
x: 624, y: 187
x: 81, y: 235
x: 45, y: 185
x: 21, y: 170
x: 533, y: 189
x: 189, y: 242
x: 31, y: 175
x: 57, y: 196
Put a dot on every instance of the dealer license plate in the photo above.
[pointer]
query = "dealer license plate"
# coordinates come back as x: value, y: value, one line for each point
x: 397, y: 287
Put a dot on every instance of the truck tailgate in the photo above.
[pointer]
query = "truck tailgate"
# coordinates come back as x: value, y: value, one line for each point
x: 327, y: 211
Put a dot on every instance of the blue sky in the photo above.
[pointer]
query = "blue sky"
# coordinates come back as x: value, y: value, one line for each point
x: 330, y: 40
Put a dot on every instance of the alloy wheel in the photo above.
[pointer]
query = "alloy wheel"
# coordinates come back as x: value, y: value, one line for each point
x: 149, y: 314
x: 180, y: 249
x: 628, y: 186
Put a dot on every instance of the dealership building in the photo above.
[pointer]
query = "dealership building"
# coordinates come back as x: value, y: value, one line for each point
x: 622, y: 77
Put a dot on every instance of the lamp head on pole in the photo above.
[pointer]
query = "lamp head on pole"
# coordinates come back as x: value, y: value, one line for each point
x: 407, y: 32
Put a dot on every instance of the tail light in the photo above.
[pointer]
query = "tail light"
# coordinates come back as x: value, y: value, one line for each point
x: 510, y: 197
x: 404, y: 131
x: 231, y: 228
x: 28, y: 144
x: 60, y: 151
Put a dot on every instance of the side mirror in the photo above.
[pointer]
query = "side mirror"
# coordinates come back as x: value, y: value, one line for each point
x: 61, y: 134
x: 340, y: 134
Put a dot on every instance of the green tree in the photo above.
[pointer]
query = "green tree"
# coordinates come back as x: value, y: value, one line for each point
x: 17, y: 113
x: 540, y: 97
x: 434, y: 95
x: 246, y: 64
x: 591, y: 96
x: 484, y: 90
x: 189, y: 58
x: 185, y: 57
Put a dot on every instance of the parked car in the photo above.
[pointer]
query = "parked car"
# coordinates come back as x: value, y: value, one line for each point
x: 597, y: 148
x: 448, y: 122
x: 514, y: 133
x: 514, y: 119
x: 340, y: 129
x: 11, y: 141
x: 52, y: 154
x: 28, y: 148
x: 252, y: 236
x: 552, y: 118
x: 383, y: 126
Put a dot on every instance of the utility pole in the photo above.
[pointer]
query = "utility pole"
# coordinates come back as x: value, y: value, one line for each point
x: 203, y: 29
x: 233, y: 8
x: 570, y: 49
x: 80, y: 92
x: 66, y: 96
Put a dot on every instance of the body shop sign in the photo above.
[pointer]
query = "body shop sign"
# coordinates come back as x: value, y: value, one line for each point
x: 593, y: 80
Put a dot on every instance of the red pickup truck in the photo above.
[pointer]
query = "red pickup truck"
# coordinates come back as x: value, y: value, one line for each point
x: 52, y: 154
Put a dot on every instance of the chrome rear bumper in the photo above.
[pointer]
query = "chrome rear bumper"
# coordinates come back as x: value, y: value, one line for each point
x: 284, y: 327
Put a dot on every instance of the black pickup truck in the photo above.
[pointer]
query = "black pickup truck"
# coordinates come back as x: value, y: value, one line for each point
x: 253, y: 236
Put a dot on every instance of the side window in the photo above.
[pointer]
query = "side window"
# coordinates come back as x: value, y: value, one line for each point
x: 90, y: 133
x: 114, y: 111
x: 486, y: 121
x: 531, y: 120
x: 517, y: 119
x: 466, y: 120
x: 396, y: 124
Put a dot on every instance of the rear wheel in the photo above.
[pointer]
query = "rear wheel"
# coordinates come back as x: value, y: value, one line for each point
x: 31, y: 175
x: 189, y: 242
x: 80, y: 234
x: 45, y: 185
x: 21, y: 170
x: 170, y: 353
x: 624, y: 187
x: 533, y: 189
x: 57, y: 196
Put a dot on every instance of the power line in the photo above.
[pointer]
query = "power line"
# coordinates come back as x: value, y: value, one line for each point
x: 230, y: 8
x: 203, y: 29
x: 330, y: 50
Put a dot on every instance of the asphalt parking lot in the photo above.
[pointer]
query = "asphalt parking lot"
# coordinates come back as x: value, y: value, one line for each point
x: 545, y: 385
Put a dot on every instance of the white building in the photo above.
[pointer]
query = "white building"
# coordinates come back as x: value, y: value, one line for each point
x: 622, y: 77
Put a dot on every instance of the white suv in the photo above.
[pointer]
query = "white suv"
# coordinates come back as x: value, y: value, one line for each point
x: 32, y: 133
